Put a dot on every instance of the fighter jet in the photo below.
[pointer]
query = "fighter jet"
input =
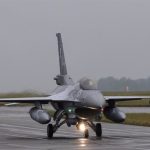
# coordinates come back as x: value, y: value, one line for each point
x: 77, y: 104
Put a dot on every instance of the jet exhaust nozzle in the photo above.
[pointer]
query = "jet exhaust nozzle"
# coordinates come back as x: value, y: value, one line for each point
x: 39, y: 115
x: 114, y: 114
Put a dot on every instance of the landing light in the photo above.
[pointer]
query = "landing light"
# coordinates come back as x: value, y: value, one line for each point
x: 69, y: 110
x: 82, y: 127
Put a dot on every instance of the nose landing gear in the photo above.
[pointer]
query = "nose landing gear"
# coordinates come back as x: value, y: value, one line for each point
x: 86, y: 133
x: 97, y: 128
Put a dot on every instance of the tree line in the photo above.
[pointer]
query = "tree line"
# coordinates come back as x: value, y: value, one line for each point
x: 123, y: 84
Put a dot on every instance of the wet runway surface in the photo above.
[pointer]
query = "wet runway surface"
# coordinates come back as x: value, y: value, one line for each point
x: 19, y: 132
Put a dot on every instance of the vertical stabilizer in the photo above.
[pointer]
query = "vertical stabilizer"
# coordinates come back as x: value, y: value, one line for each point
x: 63, y: 78
x: 62, y: 64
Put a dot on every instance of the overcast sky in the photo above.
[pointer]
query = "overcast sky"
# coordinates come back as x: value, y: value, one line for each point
x: 101, y: 38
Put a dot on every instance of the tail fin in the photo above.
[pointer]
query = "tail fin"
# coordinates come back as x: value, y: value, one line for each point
x: 63, y: 78
x: 62, y: 64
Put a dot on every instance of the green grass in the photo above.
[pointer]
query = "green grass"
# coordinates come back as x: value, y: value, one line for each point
x: 140, y: 119
x: 136, y: 103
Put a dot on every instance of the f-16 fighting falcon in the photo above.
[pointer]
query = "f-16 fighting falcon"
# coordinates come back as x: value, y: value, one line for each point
x: 78, y: 104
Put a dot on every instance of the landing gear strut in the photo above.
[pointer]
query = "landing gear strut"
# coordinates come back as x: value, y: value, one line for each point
x: 80, y: 124
x: 51, y: 129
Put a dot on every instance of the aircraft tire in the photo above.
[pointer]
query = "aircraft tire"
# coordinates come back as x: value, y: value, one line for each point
x: 50, y: 131
x: 86, y: 133
x: 98, y: 130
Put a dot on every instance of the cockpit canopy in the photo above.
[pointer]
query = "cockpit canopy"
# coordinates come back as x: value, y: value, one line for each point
x: 88, y: 84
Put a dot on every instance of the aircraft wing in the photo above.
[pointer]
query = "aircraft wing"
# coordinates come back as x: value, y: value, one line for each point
x: 125, y: 98
x: 26, y: 100
x: 42, y: 100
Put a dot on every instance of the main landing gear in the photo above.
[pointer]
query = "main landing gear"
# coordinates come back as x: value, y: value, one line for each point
x: 81, y: 125
x: 50, y: 131
x: 96, y: 128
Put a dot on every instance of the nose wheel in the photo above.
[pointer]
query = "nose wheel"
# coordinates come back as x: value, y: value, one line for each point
x: 86, y: 133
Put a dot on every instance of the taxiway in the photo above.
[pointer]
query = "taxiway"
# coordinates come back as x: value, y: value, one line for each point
x: 19, y: 132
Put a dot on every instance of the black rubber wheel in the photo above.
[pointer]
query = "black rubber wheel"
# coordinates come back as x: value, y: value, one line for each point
x: 98, y: 130
x: 86, y: 133
x: 50, y: 131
